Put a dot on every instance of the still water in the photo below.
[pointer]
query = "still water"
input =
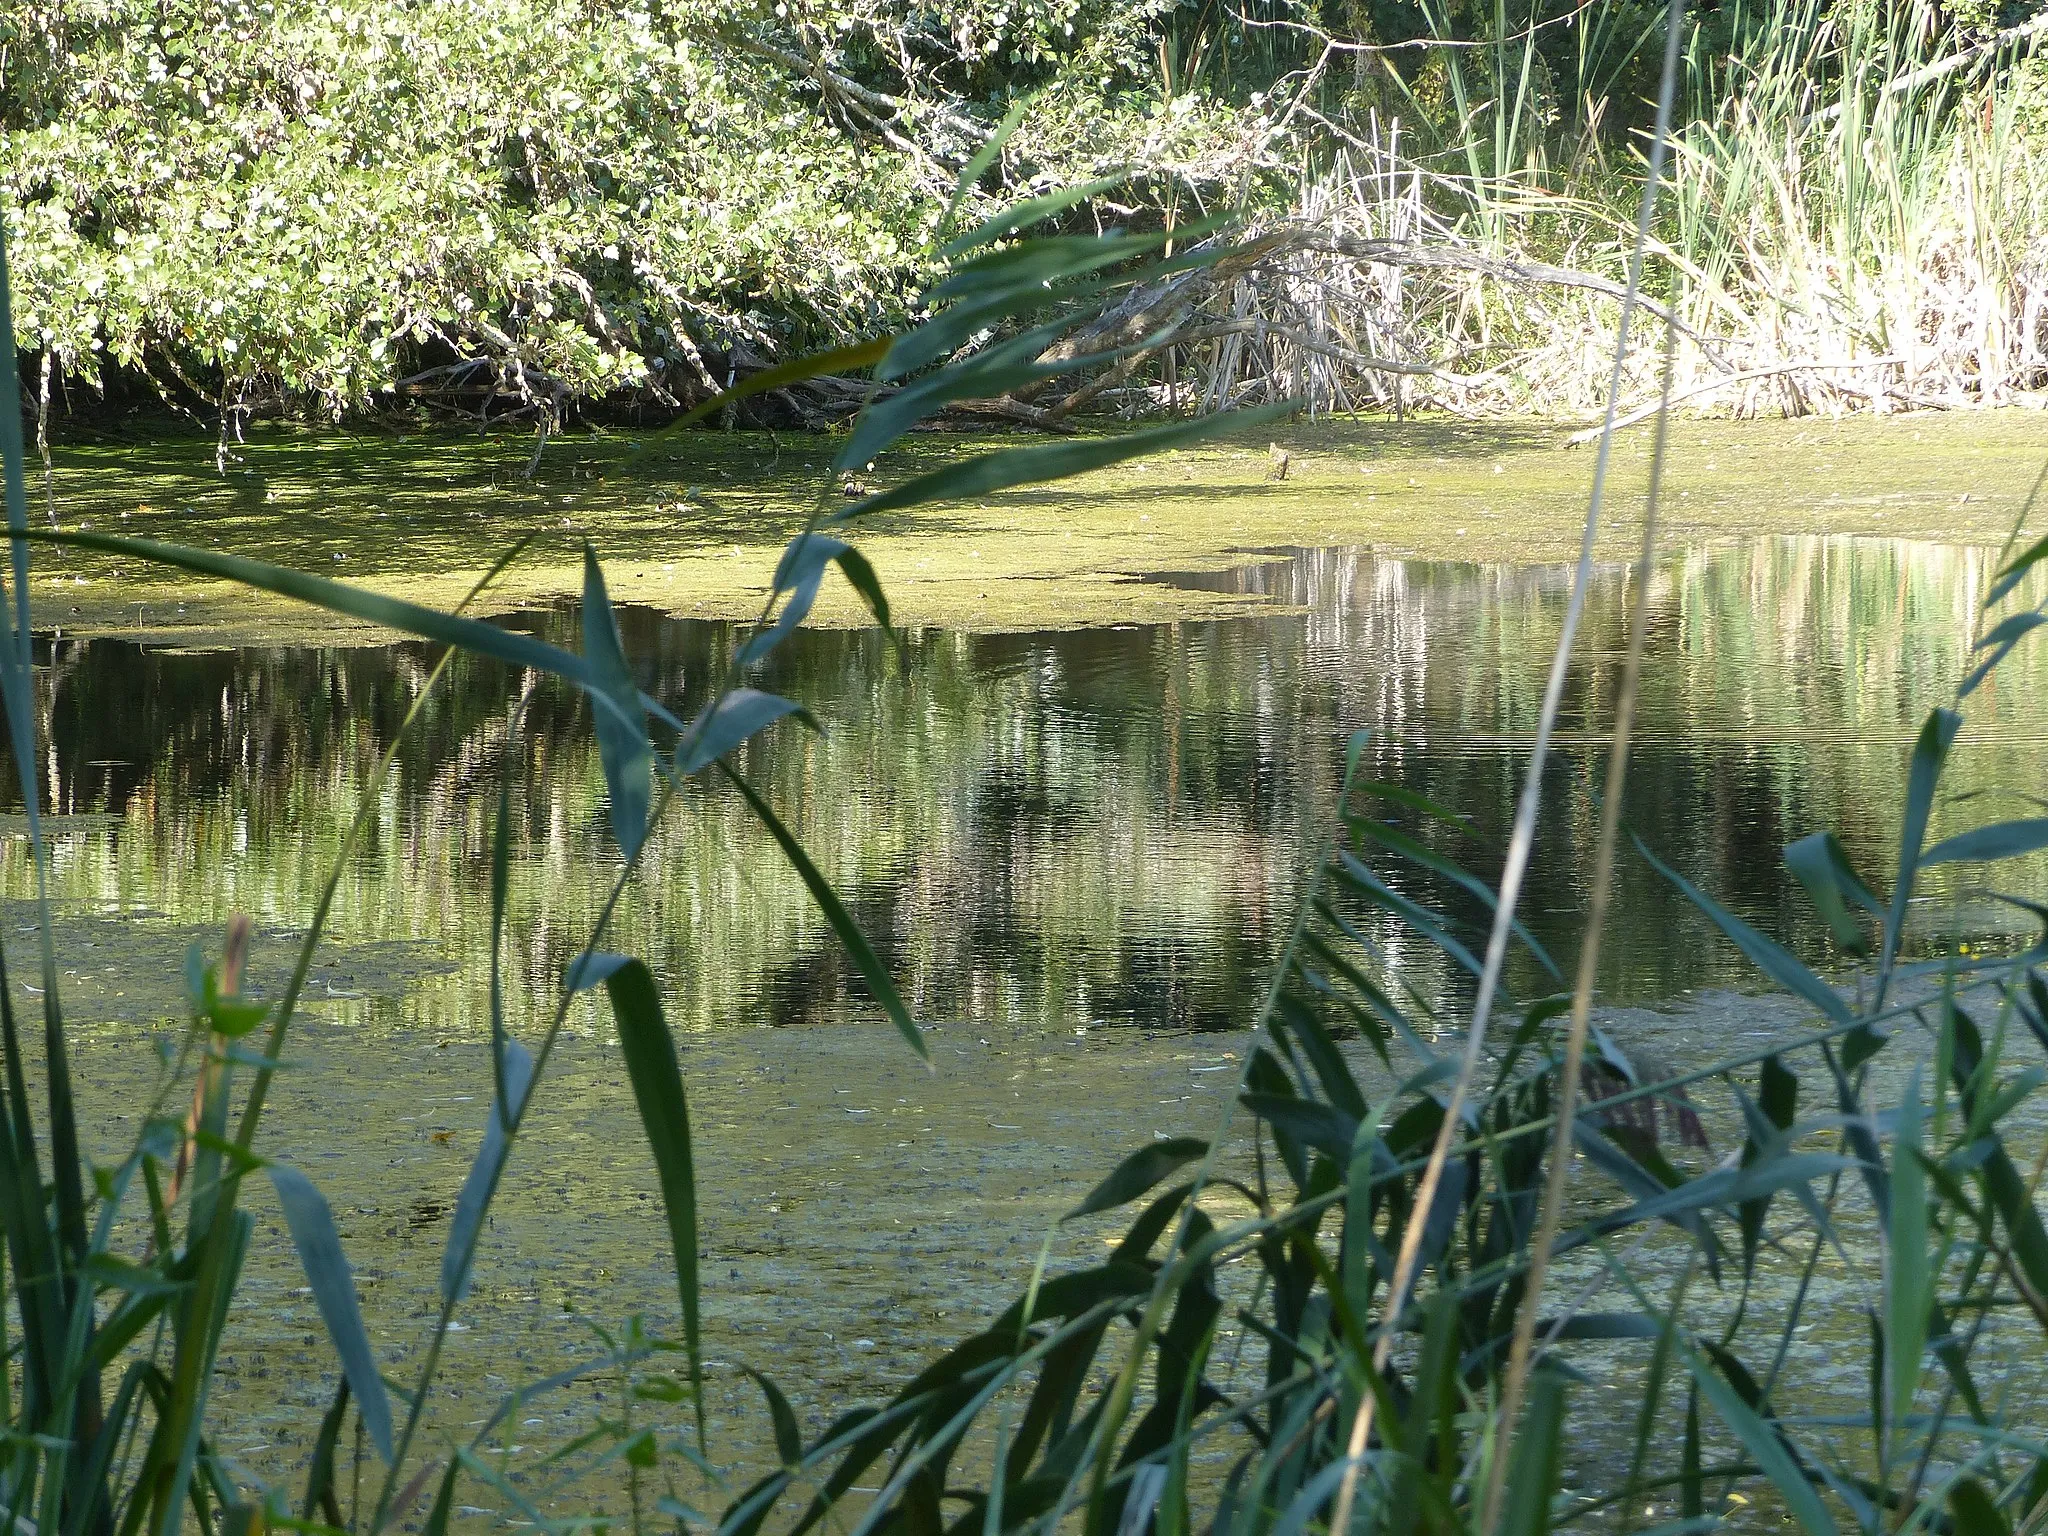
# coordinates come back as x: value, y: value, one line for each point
x: 1076, y: 850
x: 1053, y: 830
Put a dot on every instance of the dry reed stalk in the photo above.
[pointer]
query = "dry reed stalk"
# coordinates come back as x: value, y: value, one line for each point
x: 1521, y: 1352
x: 1524, y: 834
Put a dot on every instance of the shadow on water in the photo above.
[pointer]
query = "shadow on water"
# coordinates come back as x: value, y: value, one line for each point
x: 1045, y: 830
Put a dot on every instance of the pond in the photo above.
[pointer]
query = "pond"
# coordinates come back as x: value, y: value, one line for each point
x: 1076, y: 850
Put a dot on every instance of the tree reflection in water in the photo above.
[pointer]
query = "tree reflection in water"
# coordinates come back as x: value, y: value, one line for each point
x: 1055, y: 829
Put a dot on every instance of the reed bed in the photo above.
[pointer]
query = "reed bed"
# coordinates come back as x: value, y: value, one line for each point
x: 1858, y: 220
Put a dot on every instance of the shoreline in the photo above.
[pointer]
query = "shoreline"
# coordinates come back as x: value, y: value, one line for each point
x: 692, y: 525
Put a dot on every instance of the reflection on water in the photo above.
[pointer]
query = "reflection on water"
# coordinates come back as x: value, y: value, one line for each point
x: 1045, y: 831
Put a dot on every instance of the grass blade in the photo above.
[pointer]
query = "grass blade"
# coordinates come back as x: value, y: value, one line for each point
x: 621, y: 723
x: 650, y: 1056
x: 2000, y: 840
x: 859, y: 354
x: 1822, y: 866
x: 1532, y: 1480
x: 1138, y: 1173
x: 1053, y: 461
x: 857, y: 946
x: 334, y: 1293
x: 460, y: 1256
x: 320, y: 1499
x: 1763, y: 1443
x: 1930, y: 751
x: 735, y: 717
x: 789, y: 1441
x: 1770, y: 957
x: 1908, y: 1280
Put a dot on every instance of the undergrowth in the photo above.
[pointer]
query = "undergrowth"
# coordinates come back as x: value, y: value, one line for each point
x: 1370, y: 1300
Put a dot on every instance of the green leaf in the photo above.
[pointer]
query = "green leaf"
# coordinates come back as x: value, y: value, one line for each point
x: 1975, y: 1514
x: 1764, y: 1444
x: 334, y: 1293
x: 621, y: 722
x: 1532, y: 1475
x: 1323, y: 1126
x: 320, y: 1499
x: 850, y: 936
x: 799, y: 574
x: 2000, y: 840
x: 2002, y: 639
x: 1822, y: 866
x: 1930, y: 751
x: 1022, y: 215
x: 1417, y: 853
x: 859, y: 354
x: 1690, y: 1495
x: 1139, y: 1172
x: 978, y: 163
x: 1768, y: 956
x: 996, y: 370
x: 472, y: 635
x: 650, y: 1057
x: 592, y: 968
x: 789, y: 1443
x: 2016, y: 569
x: 131, y: 1279
x: 516, y: 1073
x: 1908, y: 1278
x: 1053, y: 461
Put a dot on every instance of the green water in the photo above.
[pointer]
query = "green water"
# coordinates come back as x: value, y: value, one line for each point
x: 1076, y: 851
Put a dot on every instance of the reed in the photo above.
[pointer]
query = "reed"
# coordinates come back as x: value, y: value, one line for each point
x: 1860, y: 196
x: 1358, y: 1243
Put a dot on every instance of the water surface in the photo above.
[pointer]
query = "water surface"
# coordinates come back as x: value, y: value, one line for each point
x: 1063, y: 829
x: 1076, y: 850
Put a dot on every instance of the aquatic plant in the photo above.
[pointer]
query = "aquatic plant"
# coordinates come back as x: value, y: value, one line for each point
x: 1341, y: 1319
x: 132, y: 1273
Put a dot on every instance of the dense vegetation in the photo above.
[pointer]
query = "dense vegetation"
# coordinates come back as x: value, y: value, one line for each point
x: 1332, y: 1314
x: 1372, y: 1299
x: 508, y: 209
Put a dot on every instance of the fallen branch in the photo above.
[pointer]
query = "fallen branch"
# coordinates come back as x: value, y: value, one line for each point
x: 1776, y: 370
x: 1913, y: 79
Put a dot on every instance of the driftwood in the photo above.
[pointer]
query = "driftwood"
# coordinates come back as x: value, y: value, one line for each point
x: 1746, y: 376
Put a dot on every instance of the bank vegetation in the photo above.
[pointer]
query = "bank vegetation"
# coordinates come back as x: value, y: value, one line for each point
x: 539, y: 211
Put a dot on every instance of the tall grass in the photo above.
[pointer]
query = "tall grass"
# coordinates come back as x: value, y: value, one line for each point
x: 1861, y: 196
x: 1307, y: 1319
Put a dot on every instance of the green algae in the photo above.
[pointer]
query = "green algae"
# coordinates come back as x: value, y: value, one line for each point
x: 691, y: 523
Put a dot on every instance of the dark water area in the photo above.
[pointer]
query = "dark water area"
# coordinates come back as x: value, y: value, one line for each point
x: 1062, y: 830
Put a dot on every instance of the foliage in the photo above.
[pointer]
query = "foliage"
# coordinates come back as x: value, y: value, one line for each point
x: 242, y: 200
x: 506, y: 210
x: 135, y: 1278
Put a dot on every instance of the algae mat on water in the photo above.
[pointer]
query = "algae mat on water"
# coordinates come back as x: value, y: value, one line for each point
x: 692, y: 522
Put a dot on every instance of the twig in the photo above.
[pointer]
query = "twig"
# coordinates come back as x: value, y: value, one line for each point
x: 1666, y: 400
